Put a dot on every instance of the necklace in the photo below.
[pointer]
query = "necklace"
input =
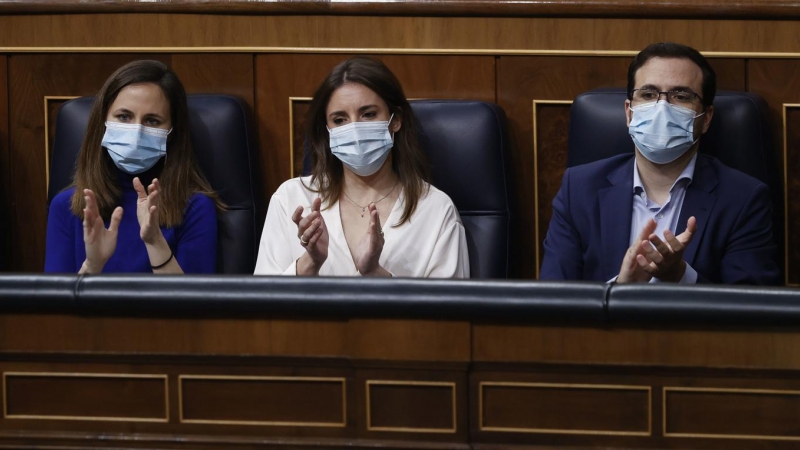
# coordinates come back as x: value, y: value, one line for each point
x: 364, y: 208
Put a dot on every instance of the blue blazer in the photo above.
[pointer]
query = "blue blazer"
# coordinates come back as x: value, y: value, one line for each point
x: 590, y: 227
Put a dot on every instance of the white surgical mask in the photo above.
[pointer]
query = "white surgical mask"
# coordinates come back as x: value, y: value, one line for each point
x: 661, y: 131
x: 134, y: 148
x: 362, y: 146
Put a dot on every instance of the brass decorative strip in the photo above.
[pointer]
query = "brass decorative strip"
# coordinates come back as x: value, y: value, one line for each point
x: 786, y: 106
x: 384, y: 50
x: 685, y: 9
x: 341, y: 380
x: 48, y: 98
x: 291, y: 133
x: 449, y: 384
x: 537, y: 250
x: 611, y: 387
x: 7, y: 375
x: 722, y: 436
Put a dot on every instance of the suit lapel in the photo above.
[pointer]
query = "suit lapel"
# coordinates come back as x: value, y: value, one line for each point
x: 616, y: 208
x: 699, y: 201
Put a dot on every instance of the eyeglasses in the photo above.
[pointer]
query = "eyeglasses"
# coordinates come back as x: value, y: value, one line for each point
x: 680, y: 98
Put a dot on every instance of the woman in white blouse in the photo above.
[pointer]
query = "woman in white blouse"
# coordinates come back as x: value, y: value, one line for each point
x: 366, y: 209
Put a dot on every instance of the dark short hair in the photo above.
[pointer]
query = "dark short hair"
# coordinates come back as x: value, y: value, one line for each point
x: 673, y: 50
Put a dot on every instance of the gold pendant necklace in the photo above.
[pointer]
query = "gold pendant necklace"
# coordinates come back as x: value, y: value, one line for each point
x: 364, y: 208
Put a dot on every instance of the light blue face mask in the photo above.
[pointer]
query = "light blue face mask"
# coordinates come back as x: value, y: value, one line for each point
x: 661, y: 131
x: 134, y: 148
x: 362, y: 146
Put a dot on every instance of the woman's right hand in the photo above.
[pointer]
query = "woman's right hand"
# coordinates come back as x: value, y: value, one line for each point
x: 313, y: 235
x: 99, y: 242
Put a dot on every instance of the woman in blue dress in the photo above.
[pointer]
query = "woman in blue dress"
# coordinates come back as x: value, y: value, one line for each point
x: 139, y: 201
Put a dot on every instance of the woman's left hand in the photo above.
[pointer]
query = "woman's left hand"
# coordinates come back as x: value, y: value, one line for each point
x: 147, y: 211
x: 369, y: 249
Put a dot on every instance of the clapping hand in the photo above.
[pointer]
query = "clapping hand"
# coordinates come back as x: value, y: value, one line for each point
x: 313, y: 235
x: 370, y: 247
x: 100, y: 242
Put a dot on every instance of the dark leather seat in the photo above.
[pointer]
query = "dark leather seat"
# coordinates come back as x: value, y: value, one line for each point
x: 469, y: 155
x: 224, y: 143
x: 739, y: 136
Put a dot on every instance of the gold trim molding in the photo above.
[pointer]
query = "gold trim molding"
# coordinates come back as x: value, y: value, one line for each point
x: 784, y: 108
x: 450, y: 384
x: 536, y: 249
x: 722, y: 436
x: 341, y: 380
x: 382, y: 50
x: 85, y: 375
x: 292, y: 100
x: 611, y: 387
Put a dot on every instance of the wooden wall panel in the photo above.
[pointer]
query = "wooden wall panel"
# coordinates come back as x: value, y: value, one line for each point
x: 565, y: 408
x: 748, y: 413
x: 425, y: 34
x: 95, y: 397
x: 217, y: 73
x: 717, y: 9
x: 428, y: 407
x: 265, y: 401
x: 520, y: 82
x: 791, y: 125
x: 562, y: 345
x: 778, y: 82
x: 282, y: 77
x: 31, y: 78
x: 6, y: 202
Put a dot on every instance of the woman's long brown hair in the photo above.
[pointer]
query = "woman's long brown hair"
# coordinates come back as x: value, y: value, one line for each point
x: 180, y: 177
x: 408, y: 159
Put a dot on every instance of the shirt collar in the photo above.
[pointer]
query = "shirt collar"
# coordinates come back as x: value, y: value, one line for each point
x: 687, y: 174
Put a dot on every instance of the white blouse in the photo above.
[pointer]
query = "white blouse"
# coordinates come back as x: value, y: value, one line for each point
x: 431, y: 244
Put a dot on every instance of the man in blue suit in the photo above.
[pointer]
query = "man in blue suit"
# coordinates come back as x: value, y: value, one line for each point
x: 613, y: 219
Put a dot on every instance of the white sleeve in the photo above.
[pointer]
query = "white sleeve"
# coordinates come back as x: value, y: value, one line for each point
x: 449, y: 258
x: 274, y: 252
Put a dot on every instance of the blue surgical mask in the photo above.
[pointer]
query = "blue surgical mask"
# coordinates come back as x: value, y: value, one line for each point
x: 661, y: 131
x: 134, y: 148
x: 362, y: 146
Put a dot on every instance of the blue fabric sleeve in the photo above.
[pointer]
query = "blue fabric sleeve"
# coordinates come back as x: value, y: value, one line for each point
x: 60, y: 247
x: 196, y: 247
x: 563, y: 259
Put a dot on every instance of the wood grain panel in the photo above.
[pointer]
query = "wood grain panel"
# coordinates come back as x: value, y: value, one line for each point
x: 171, y: 336
x: 276, y: 401
x: 791, y: 125
x: 411, y: 340
x: 564, y: 408
x: 279, y: 77
x: 86, y: 397
x: 753, y: 414
x: 217, y: 73
x: 716, y: 9
x: 31, y: 78
x: 719, y: 348
x: 414, y: 407
x: 551, y: 125
x: 311, y: 33
x: 520, y: 81
x: 778, y: 82
x: 6, y: 200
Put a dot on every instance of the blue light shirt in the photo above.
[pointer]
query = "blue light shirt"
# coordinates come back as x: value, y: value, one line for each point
x: 666, y: 215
